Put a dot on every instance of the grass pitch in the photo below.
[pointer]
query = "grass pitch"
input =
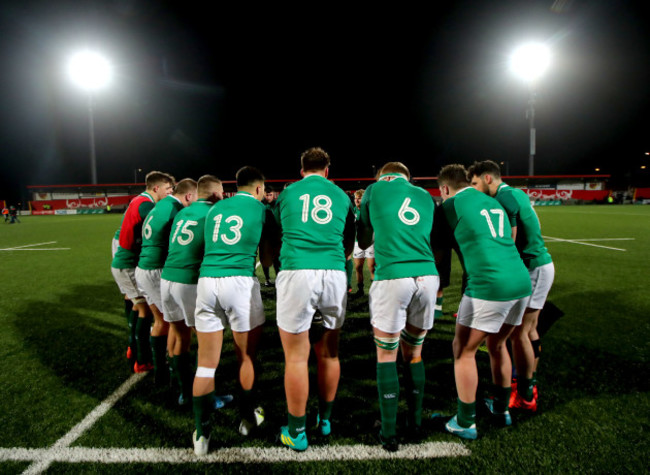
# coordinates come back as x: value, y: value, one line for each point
x: 64, y: 337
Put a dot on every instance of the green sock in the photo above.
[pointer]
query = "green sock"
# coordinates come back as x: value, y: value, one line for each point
x: 415, y: 381
x: 466, y: 413
x: 348, y: 271
x: 132, y: 320
x: 203, y: 408
x: 525, y: 388
x: 246, y: 405
x: 325, y: 409
x: 128, y: 306
x: 184, y: 373
x: 388, y: 388
x: 438, y: 312
x: 297, y: 425
x: 159, y: 352
x: 501, y: 398
x: 142, y: 334
x: 534, y: 380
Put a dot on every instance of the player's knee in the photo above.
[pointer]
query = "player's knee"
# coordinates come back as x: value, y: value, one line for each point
x: 387, y: 343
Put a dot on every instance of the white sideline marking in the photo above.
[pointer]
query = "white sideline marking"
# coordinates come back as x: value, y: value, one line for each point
x: 236, y: 454
x: 49, y: 455
x: 582, y: 241
x: 26, y: 246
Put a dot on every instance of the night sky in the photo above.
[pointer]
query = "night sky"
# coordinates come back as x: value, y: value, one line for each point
x: 207, y: 89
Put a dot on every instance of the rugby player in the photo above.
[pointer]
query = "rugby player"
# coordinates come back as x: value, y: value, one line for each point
x: 155, y: 242
x: 403, y: 295
x: 317, y: 224
x: 493, y: 303
x: 158, y: 186
x: 270, y: 202
x: 228, y: 293
x: 362, y: 255
x: 180, y: 275
x: 526, y: 231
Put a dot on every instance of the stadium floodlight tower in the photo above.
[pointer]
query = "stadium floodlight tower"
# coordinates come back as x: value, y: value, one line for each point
x: 91, y: 72
x: 530, y: 61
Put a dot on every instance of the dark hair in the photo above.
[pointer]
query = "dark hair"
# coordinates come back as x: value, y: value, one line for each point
x: 268, y: 189
x: 154, y: 178
x: 314, y: 159
x: 453, y: 175
x: 186, y: 185
x: 486, y: 166
x: 247, y: 176
x: 395, y: 167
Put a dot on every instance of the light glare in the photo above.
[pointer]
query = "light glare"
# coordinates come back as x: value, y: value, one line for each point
x: 530, y: 61
x: 89, y: 70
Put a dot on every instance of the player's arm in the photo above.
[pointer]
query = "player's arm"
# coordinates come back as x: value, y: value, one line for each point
x: 511, y: 207
x: 364, y: 226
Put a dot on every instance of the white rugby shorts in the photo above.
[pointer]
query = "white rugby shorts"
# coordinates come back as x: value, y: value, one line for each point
x: 125, y: 279
x: 178, y: 301
x: 490, y: 315
x: 395, y: 302
x: 149, y: 285
x: 301, y: 292
x: 234, y: 301
x: 363, y: 254
x: 114, y: 245
x: 541, y: 279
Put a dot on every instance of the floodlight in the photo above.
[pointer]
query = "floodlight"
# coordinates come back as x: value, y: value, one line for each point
x: 89, y: 70
x: 530, y: 61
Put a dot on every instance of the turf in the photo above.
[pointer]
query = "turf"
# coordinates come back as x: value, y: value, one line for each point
x: 62, y: 353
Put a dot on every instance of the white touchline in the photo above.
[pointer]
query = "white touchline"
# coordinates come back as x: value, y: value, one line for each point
x: 27, y: 247
x: 579, y: 241
x: 327, y: 453
x: 49, y: 455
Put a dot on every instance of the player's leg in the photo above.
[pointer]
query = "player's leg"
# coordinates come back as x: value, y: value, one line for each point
x: 181, y: 361
x: 387, y: 385
x: 349, y: 267
x: 501, y: 367
x: 358, y: 273
x: 159, y: 332
x: 203, y: 391
x: 411, y: 341
x: 296, y: 378
x: 465, y: 344
x: 245, y: 348
x: 371, y: 267
x: 419, y: 319
x: 329, y: 374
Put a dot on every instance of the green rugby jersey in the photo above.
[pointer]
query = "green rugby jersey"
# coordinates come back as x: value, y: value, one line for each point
x: 155, y: 233
x: 401, y: 216
x: 233, y: 229
x: 521, y: 213
x: 313, y: 214
x: 186, y: 244
x: 487, y: 252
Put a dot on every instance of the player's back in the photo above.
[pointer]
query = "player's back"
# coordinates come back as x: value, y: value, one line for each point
x: 401, y: 216
x: 130, y: 233
x: 312, y: 214
x: 529, y: 241
x: 186, y: 243
x: 488, y: 254
x: 233, y: 228
x: 155, y: 232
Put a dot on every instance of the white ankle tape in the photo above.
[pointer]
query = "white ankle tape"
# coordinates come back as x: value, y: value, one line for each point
x: 203, y: 372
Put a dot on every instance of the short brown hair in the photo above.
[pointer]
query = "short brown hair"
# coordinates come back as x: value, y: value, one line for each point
x: 453, y: 175
x: 185, y: 186
x: 395, y: 167
x: 486, y: 166
x: 314, y: 159
x: 205, y: 184
x: 155, y: 178
x: 359, y: 193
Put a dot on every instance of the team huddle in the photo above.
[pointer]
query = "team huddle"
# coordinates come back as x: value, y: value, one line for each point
x: 185, y: 259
